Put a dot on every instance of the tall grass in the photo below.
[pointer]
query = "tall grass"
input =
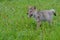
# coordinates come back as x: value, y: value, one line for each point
x: 15, y: 25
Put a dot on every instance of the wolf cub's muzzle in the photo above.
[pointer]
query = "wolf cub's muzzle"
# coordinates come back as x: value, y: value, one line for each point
x: 30, y: 15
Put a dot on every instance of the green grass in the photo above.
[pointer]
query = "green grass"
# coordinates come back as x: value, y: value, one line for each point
x: 15, y: 25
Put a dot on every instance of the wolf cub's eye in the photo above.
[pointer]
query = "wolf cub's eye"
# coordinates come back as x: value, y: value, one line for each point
x: 38, y: 17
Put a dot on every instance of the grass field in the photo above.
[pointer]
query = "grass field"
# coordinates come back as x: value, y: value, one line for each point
x: 15, y: 25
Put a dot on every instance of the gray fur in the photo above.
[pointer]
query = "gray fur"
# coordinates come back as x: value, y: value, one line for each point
x: 43, y: 15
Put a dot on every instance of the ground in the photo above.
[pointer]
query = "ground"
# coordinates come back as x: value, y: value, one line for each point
x: 15, y: 25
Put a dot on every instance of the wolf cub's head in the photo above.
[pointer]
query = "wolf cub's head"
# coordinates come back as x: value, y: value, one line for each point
x: 31, y: 10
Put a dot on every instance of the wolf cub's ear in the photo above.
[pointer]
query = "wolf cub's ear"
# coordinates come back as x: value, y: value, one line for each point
x: 34, y: 7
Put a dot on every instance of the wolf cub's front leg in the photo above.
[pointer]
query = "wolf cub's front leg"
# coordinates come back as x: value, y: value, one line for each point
x: 38, y: 22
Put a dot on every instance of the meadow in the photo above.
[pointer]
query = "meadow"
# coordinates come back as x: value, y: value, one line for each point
x: 15, y: 25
